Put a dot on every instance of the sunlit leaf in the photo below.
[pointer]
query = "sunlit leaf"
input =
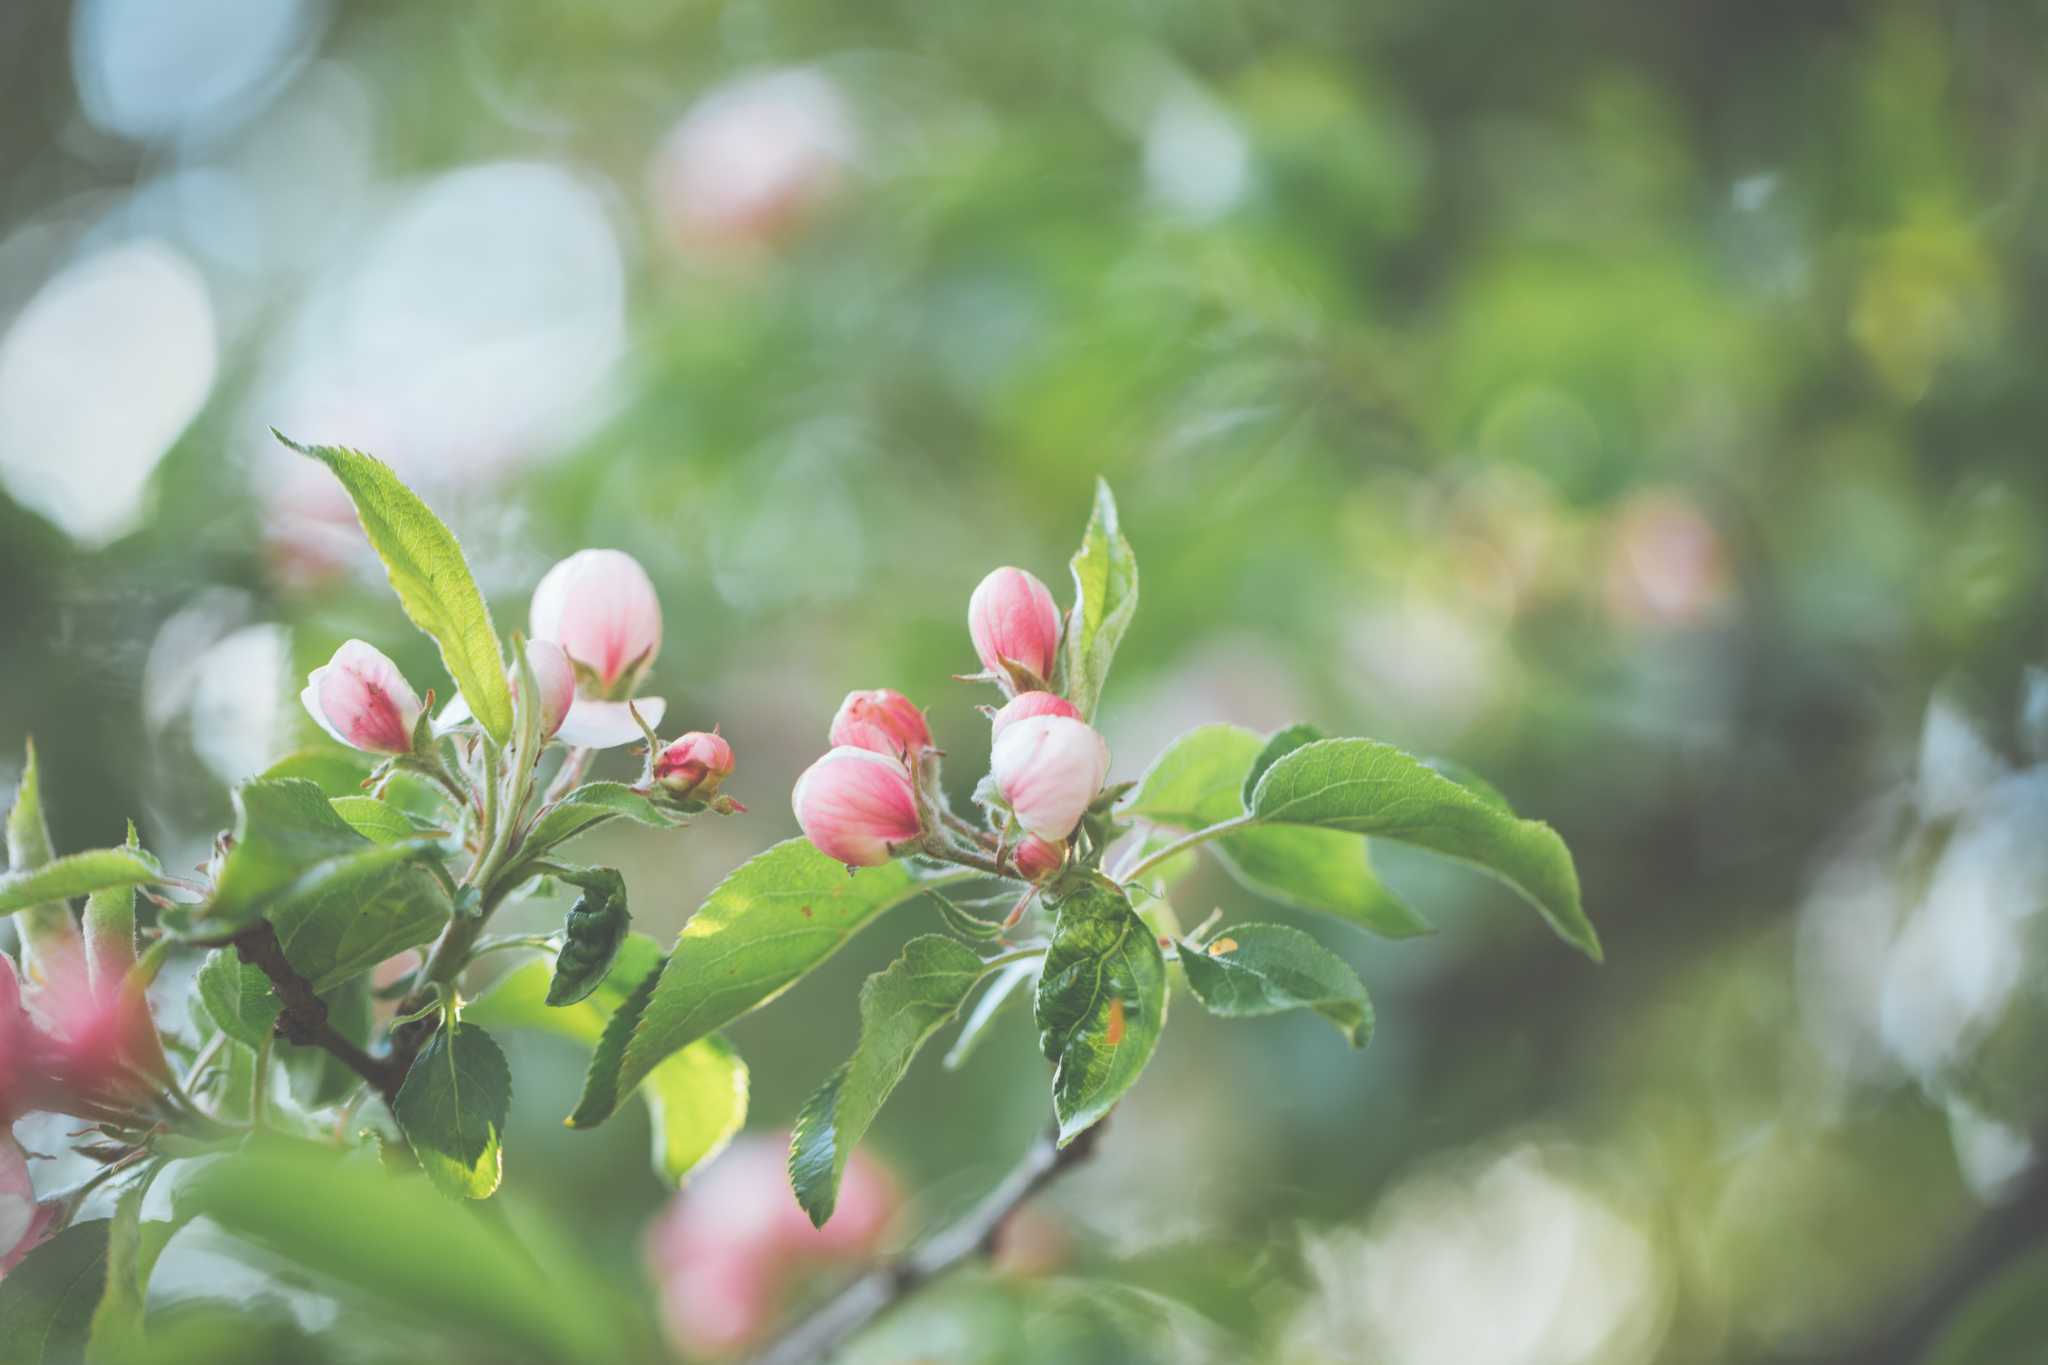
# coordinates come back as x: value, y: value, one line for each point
x: 77, y: 874
x: 432, y: 579
x: 1105, y: 599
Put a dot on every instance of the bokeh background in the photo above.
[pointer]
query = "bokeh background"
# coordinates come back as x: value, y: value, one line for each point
x: 1641, y: 404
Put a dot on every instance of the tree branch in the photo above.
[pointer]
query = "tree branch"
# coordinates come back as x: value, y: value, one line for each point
x: 867, y: 1298
x: 303, y: 1019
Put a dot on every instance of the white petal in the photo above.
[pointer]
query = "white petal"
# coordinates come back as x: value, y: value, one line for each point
x: 607, y: 724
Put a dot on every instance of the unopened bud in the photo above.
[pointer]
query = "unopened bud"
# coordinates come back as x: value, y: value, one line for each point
x: 857, y: 806
x: 1025, y: 705
x: 882, y: 722
x: 600, y: 606
x: 693, y: 765
x: 1038, y: 859
x: 1048, y: 769
x: 1015, y: 625
x: 361, y: 699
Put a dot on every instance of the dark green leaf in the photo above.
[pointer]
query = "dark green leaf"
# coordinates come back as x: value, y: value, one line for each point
x: 595, y: 927
x: 1365, y: 787
x: 604, y: 1082
x: 283, y: 826
x: 345, y: 915
x: 899, y: 1008
x: 432, y: 579
x: 1283, y: 743
x: 77, y: 874
x: 453, y: 1106
x: 776, y: 917
x: 116, y: 1333
x: 1105, y: 598
x: 238, y: 997
x: 47, y: 1302
x: 383, y: 1235
x: 1101, y: 1003
x: 1255, y: 969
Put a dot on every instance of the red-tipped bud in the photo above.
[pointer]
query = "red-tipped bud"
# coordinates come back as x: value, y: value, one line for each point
x: 882, y: 722
x: 1048, y: 769
x: 1038, y: 859
x: 857, y: 806
x: 1025, y: 705
x: 554, y: 680
x: 600, y: 606
x: 1015, y: 625
x: 361, y: 699
x: 693, y: 765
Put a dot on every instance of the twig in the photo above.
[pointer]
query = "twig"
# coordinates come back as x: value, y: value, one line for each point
x: 860, y: 1303
x: 303, y: 1019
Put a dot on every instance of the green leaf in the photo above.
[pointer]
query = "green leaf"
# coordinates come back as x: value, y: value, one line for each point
x: 595, y: 927
x: 1366, y: 787
x: 47, y: 1301
x: 237, y: 997
x: 432, y: 579
x: 116, y: 1333
x: 2003, y: 1323
x: 283, y: 826
x: 899, y: 1008
x: 28, y: 831
x: 696, y: 1099
x: 1101, y: 1003
x: 77, y: 874
x: 1105, y: 598
x: 1283, y: 743
x: 453, y: 1106
x: 775, y: 918
x: 605, y: 1081
x: 345, y: 915
x: 378, y: 821
x: 1256, y: 969
x: 591, y: 805
x: 1000, y: 993
x: 1199, y: 780
x: 355, y: 1223
x: 335, y: 771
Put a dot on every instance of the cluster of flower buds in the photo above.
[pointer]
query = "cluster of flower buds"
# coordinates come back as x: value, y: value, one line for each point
x: 873, y: 797
x: 596, y: 629
x: 730, y: 1248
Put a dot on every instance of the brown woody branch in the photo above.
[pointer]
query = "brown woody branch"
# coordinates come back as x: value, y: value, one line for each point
x: 867, y: 1298
x: 303, y: 1018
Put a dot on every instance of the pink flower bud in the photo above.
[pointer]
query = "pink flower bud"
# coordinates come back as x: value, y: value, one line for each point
x: 361, y: 699
x: 693, y: 765
x: 1025, y: 705
x: 16, y: 1039
x: 857, y: 806
x: 23, y: 1222
x: 1037, y: 859
x: 600, y: 606
x: 1014, y: 625
x: 1048, y: 769
x: 881, y: 722
x: 554, y: 680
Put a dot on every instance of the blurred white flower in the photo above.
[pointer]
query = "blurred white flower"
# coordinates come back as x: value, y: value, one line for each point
x: 239, y: 722
x: 148, y: 70
x: 99, y: 376
x: 1197, y: 160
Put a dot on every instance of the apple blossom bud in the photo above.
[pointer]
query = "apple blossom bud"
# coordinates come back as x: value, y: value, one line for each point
x: 361, y: 699
x: 600, y: 606
x: 554, y: 680
x: 857, y: 806
x: 693, y: 765
x: 882, y: 722
x: 1025, y: 705
x: 1015, y: 625
x: 1038, y: 859
x: 16, y: 1038
x: 1048, y: 769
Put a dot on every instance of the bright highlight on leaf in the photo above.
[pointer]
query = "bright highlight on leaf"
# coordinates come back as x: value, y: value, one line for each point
x: 1105, y: 599
x: 432, y: 579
